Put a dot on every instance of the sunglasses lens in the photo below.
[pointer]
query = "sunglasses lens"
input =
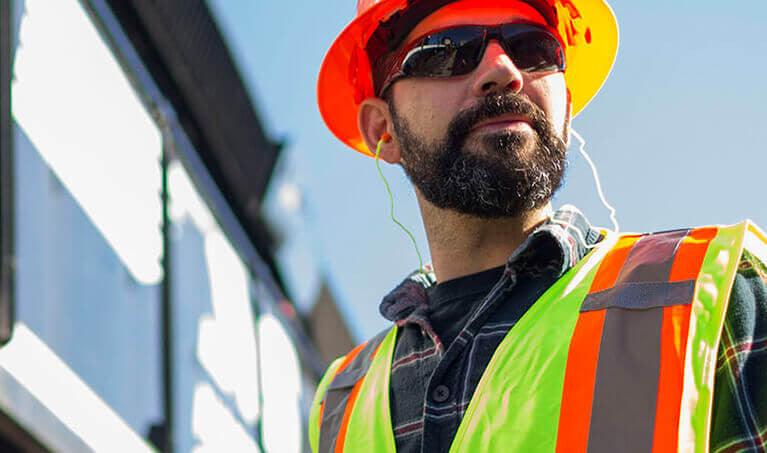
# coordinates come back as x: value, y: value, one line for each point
x: 533, y: 50
x: 447, y: 53
x: 458, y: 51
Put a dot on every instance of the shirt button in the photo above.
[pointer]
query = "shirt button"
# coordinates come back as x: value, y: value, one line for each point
x: 440, y: 393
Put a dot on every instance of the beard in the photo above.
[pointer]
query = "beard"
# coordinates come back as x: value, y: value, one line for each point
x: 512, y: 173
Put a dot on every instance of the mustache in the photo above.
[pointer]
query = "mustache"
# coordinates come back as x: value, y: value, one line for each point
x: 493, y: 106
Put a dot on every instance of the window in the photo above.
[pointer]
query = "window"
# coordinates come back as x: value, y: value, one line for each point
x: 88, y: 210
x: 216, y: 357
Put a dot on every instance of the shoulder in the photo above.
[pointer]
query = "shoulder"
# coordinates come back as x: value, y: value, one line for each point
x: 735, y: 239
x: 742, y: 357
x: 746, y: 321
x: 747, y: 308
x: 342, y: 373
x: 354, y: 359
x: 743, y: 338
x: 362, y: 353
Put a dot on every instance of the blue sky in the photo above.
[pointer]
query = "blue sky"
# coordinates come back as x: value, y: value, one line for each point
x: 677, y: 134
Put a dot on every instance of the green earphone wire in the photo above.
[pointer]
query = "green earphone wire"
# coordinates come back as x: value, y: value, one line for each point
x: 391, y: 208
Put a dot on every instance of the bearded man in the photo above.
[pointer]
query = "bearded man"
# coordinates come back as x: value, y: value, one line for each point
x: 535, y: 331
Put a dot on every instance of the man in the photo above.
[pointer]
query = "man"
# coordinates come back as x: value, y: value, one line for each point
x: 536, y: 331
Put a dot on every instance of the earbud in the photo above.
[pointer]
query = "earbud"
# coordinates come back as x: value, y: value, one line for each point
x: 386, y: 138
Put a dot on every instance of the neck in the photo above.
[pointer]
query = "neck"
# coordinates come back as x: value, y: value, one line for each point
x: 462, y: 245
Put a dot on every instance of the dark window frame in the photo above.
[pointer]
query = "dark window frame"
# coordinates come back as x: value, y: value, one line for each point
x: 7, y: 253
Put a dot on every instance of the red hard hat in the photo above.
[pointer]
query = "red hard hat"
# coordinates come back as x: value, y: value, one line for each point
x: 587, y: 27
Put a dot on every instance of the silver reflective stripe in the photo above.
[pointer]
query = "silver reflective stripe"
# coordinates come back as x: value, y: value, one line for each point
x: 651, y: 257
x: 628, y: 368
x: 641, y: 296
x: 626, y: 385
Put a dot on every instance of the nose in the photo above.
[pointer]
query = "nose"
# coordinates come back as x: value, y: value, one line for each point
x: 496, y: 72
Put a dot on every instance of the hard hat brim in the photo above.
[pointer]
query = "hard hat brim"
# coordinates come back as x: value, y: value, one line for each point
x: 345, y: 80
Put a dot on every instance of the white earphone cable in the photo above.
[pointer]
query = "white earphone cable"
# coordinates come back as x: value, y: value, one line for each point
x: 616, y: 226
x: 582, y: 150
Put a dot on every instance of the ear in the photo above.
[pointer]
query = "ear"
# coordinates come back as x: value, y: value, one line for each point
x: 373, y: 120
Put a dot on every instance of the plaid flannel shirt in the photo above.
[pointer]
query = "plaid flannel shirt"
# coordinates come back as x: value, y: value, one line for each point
x: 431, y: 384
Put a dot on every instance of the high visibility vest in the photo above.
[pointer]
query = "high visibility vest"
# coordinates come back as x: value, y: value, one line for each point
x: 618, y: 355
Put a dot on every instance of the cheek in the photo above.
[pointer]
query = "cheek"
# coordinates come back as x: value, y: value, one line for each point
x: 559, y: 101
x: 550, y: 93
x: 429, y: 108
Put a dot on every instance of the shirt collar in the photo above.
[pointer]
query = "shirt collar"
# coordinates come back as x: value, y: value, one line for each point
x: 556, y: 245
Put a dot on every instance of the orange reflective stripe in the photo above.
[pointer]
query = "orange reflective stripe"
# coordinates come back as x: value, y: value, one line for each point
x: 689, y: 257
x: 341, y: 439
x: 676, y: 324
x: 578, y: 392
x: 322, y: 409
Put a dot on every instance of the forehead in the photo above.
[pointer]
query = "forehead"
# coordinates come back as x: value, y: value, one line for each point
x: 473, y: 12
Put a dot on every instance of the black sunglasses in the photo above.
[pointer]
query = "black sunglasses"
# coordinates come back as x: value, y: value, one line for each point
x: 457, y: 51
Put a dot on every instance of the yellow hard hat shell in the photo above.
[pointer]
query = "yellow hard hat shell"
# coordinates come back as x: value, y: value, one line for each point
x: 587, y: 27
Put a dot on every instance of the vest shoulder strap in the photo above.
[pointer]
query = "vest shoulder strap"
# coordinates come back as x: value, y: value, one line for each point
x: 315, y: 411
x: 336, y: 392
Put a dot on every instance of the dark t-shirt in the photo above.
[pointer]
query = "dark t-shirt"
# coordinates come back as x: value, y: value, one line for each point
x: 451, y: 303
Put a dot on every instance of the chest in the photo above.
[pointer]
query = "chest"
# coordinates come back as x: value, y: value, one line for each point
x: 603, y: 361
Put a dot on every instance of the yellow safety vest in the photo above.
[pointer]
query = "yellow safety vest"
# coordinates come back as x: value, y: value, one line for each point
x: 618, y: 355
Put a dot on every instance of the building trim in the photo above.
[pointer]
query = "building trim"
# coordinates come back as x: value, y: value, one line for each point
x: 257, y: 257
x: 188, y: 59
x: 7, y: 193
x: 54, y: 405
